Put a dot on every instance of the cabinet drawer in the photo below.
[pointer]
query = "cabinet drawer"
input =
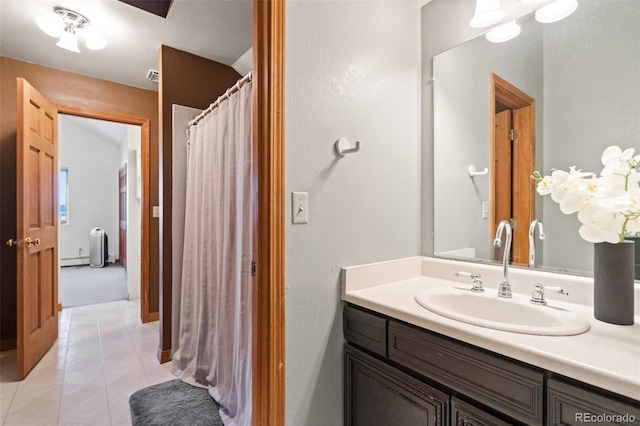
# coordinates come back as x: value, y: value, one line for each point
x: 365, y: 329
x: 463, y: 414
x: 505, y: 386
x: 379, y: 395
x: 571, y: 405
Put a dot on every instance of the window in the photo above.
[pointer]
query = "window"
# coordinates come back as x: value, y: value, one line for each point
x: 63, y: 195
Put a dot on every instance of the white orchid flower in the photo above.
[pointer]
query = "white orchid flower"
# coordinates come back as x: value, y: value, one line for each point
x: 565, y: 183
x: 608, y: 206
x: 617, y: 162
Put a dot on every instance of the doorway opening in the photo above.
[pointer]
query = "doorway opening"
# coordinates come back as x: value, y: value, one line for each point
x: 100, y: 160
x: 141, y: 186
x: 512, y: 126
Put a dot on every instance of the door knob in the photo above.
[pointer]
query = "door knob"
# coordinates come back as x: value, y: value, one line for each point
x: 28, y: 241
x: 14, y: 243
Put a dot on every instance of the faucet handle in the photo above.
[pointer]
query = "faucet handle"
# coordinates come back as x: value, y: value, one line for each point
x: 477, y: 282
x: 537, y: 296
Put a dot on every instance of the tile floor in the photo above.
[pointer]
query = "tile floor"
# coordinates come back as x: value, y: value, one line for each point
x: 103, y: 354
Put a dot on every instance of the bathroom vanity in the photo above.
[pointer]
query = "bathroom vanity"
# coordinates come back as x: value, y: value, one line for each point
x: 405, y: 365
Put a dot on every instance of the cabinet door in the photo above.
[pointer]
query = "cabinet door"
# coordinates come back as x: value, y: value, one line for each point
x: 463, y: 414
x: 503, y: 385
x: 571, y: 405
x: 379, y: 395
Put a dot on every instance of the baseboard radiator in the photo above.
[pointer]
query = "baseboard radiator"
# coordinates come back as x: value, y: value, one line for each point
x: 74, y: 261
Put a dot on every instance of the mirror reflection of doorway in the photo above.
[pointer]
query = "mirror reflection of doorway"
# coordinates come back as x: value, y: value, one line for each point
x: 512, y: 163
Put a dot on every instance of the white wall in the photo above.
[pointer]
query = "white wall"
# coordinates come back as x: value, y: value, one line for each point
x: 93, y: 189
x: 353, y: 70
x: 132, y: 152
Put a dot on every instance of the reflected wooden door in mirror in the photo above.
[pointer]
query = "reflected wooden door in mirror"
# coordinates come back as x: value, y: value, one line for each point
x: 513, y: 159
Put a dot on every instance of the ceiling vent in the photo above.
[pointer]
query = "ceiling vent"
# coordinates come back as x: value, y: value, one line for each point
x: 153, y: 75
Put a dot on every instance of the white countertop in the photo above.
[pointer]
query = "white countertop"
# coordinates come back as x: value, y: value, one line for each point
x: 606, y: 356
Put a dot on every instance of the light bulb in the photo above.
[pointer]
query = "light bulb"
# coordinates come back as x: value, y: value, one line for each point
x: 488, y: 12
x: 93, y: 40
x: 503, y: 32
x: 556, y: 11
x: 50, y: 24
x: 69, y: 41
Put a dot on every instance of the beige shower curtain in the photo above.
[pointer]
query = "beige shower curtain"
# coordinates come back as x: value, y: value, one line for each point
x: 215, y: 317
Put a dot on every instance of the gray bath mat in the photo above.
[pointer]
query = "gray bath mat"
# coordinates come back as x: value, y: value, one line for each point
x: 173, y: 403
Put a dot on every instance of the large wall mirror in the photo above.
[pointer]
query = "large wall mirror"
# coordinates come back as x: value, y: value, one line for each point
x: 577, y: 83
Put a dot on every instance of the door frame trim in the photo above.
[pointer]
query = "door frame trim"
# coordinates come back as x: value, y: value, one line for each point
x: 145, y: 248
x: 268, y: 378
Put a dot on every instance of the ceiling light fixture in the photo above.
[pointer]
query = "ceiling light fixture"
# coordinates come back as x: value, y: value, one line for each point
x: 556, y: 11
x: 488, y: 12
x: 67, y: 24
x: 504, y: 32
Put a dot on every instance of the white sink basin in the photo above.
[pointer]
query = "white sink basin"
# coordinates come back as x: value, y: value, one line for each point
x: 516, y: 315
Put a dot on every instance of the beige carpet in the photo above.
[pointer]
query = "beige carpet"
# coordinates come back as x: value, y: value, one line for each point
x: 84, y: 285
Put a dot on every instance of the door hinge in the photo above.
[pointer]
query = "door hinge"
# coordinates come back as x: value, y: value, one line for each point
x: 513, y: 134
x: 253, y: 268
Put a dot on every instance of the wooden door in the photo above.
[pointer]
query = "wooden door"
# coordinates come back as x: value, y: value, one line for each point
x: 523, y: 187
x: 122, y: 179
x: 502, y: 176
x: 513, y: 162
x: 37, y: 226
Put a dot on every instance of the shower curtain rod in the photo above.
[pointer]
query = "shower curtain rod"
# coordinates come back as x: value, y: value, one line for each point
x: 233, y: 89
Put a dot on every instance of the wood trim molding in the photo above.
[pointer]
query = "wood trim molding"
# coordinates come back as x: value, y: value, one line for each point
x: 268, y: 303
x: 144, y: 123
x: 145, y: 266
x: 164, y: 355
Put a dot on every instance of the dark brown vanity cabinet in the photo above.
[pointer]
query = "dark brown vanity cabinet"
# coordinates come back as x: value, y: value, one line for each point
x: 399, y: 374
x: 380, y: 395
x: 570, y: 404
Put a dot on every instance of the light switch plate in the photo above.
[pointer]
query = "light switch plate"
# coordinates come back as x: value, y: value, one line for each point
x: 485, y: 210
x: 156, y: 211
x: 300, y: 207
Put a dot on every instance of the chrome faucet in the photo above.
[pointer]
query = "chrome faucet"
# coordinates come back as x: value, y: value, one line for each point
x: 532, y: 245
x: 505, y: 288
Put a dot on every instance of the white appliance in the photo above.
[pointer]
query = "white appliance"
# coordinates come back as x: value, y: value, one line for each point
x: 98, y: 248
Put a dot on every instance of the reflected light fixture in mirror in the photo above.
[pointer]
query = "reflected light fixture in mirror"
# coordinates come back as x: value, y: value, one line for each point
x: 504, y: 32
x: 66, y: 24
x: 488, y: 12
x: 556, y: 11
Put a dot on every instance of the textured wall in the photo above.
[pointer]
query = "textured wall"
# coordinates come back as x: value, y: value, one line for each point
x: 352, y: 70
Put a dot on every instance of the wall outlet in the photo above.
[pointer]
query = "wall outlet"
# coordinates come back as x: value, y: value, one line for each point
x: 156, y: 211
